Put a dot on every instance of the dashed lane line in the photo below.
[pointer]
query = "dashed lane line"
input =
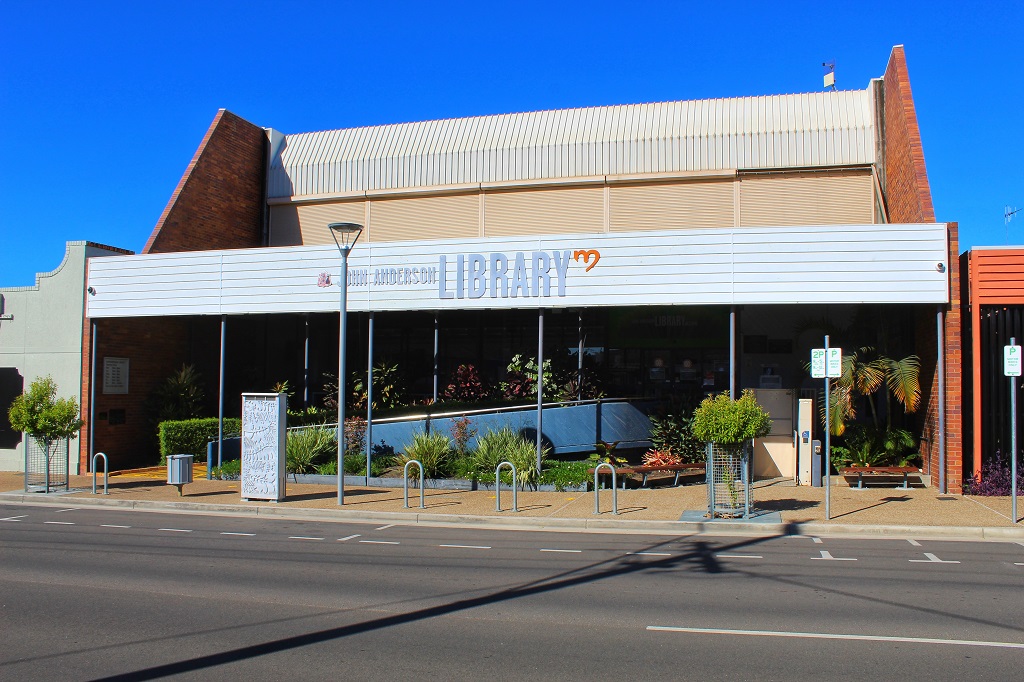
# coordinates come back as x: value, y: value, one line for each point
x: 738, y: 556
x: 302, y: 537
x: 830, y: 635
x: 563, y: 551
x: 390, y: 525
x: 827, y: 556
x: 175, y: 530
x: 59, y: 523
x: 649, y: 553
x: 348, y: 537
x: 247, y: 535
x: 110, y: 525
x: 465, y: 546
x: 931, y: 559
x: 14, y: 518
x: 915, y: 543
x: 816, y: 541
x: 64, y: 510
x: 378, y: 542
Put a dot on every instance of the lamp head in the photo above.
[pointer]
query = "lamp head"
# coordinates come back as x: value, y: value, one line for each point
x: 345, y: 234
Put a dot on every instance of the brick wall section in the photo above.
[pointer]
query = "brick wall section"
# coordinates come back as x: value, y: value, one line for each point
x: 155, y: 347
x: 907, y: 192
x: 954, y: 380
x: 909, y: 200
x: 84, y: 446
x: 218, y: 203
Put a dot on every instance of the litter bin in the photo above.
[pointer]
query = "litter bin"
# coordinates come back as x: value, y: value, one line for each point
x: 179, y: 470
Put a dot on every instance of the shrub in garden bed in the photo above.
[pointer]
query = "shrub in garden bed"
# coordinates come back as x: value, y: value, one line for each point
x: 190, y: 436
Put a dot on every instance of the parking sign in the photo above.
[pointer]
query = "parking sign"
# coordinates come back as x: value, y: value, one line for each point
x: 1011, y: 361
x: 834, y: 363
x: 818, y: 363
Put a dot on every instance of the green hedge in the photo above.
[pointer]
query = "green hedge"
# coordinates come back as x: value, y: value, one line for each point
x: 190, y: 436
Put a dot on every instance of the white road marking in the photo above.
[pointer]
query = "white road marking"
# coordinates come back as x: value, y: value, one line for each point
x: 60, y: 523
x: 248, y: 535
x: 64, y: 510
x: 175, y: 530
x: 827, y: 556
x: 738, y: 556
x: 378, y: 542
x: 302, y: 537
x: 465, y: 546
x: 347, y: 538
x: 110, y: 525
x: 650, y: 553
x: 566, y: 551
x: 932, y: 559
x: 1018, y: 564
x: 390, y: 525
x: 829, y: 635
x: 816, y: 541
x: 915, y: 543
x: 14, y: 518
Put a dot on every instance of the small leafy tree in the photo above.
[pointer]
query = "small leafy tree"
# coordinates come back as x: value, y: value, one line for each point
x: 43, y: 416
x: 724, y: 421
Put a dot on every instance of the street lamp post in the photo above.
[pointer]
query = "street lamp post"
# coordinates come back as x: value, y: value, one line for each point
x: 345, y: 236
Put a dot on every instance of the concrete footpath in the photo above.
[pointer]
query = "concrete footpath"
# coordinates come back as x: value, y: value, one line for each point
x: 779, y: 507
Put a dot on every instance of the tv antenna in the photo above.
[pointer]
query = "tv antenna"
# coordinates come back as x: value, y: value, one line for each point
x: 830, y: 74
x: 1008, y: 214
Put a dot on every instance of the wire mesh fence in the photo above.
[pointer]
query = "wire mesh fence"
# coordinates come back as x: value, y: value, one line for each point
x: 728, y: 480
x: 46, y: 466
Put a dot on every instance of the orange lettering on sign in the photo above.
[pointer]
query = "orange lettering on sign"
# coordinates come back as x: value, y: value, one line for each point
x: 585, y: 254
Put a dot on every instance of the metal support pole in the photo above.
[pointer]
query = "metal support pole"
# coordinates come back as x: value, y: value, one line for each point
x: 1013, y: 442
x: 92, y: 392
x: 827, y: 464
x: 579, y: 356
x: 746, y: 479
x: 305, y: 368
x: 732, y: 352
x: 220, y: 400
x: 369, y: 395
x: 437, y: 346
x: 540, y: 385
x: 343, y: 304
x: 940, y: 335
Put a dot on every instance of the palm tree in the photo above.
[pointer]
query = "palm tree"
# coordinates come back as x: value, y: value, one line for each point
x: 864, y: 373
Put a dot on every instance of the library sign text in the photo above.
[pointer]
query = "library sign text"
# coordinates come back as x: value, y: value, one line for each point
x: 476, y: 275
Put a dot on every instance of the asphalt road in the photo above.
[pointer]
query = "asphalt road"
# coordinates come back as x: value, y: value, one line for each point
x: 111, y: 594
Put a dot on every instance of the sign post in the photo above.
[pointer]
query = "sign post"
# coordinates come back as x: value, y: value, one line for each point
x: 827, y: 364
x: 1011, y: 369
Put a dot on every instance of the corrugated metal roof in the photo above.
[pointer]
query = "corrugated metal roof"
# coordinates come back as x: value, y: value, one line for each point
x: 778, y: 131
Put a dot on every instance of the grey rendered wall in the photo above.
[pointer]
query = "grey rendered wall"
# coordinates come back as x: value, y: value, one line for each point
x: 41, y: 333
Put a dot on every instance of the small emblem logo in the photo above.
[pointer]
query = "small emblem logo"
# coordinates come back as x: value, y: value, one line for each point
x: 585, y: 254
x: 324, y: 280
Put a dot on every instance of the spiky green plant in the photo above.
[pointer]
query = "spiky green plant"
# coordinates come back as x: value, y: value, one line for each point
x: 433, y: 450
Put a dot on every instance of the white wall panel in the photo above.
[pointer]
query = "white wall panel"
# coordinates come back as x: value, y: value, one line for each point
x: 805, y: 264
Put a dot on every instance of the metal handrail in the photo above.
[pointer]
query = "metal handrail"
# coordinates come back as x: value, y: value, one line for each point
x: 405, y: 483
x: 105, y: 473
x: 464, y: 413
x: 497, y: 486
x: 597, y: 491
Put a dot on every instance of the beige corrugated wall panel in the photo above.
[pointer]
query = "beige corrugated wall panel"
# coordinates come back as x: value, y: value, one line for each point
x: 579, y: 209
x: 671, y: 206
x: 778, y: 131
x: 314, y: 218
x: 806, y: 199
x: 284, y: 226
x: 425, y: 218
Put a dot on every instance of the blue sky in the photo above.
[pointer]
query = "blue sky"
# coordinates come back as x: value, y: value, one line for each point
x: 102, y: 104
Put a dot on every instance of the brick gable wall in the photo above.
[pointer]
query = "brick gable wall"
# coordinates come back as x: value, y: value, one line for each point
x: 909, y: 200
x: 218, y: 203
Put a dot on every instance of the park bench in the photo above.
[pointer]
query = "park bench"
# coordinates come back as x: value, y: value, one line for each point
x: 647, y: 470
x: 860, y: 472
